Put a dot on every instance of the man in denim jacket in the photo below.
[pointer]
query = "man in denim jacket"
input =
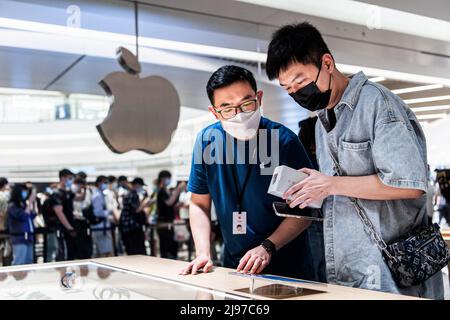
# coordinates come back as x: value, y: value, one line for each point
x: 380, y: 148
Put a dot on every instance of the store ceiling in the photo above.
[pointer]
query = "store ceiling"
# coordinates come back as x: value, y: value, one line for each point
x: 228, y: 24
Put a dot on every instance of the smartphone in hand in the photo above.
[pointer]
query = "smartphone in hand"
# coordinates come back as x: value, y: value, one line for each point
x: 282, y: 209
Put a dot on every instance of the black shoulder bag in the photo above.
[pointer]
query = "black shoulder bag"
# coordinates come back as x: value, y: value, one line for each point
x: 412, y: 259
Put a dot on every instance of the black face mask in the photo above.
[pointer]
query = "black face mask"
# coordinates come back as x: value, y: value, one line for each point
x: 311, y: 98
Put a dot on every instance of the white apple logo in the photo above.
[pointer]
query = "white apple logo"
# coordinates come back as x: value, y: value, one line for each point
x: 144, y: 113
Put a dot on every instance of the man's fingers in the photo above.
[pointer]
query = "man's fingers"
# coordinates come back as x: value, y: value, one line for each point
x: 196, y: 266
x: 256, y: 265
x: 243, y: 262
x: 187, y: 269
x: 305, y: 203
x: 250, y: 263
x: 262, y: 266
x: 308, y: 171
x: 208, y: 266
x: 298, y: 198
x: 293, y: 189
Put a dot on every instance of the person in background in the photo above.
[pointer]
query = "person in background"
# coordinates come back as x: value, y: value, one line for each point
x: 113, y: 205
x: 5, y: 242
x: 51, y: 222
x: 431, y: 195
x: 101, y: 233
x: 83, y: 239
x: 123, y: 188
x: 111, y: 197
x: 62, y: 201
x: 166, y: 203
x: 183, y: 203
x: 133, y: 219
x: 21, y: 213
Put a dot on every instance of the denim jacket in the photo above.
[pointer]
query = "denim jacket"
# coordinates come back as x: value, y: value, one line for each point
x: 375, y: 133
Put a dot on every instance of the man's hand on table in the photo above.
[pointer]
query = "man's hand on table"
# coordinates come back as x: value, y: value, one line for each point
x: 254, y: 261
x: 202, y: 261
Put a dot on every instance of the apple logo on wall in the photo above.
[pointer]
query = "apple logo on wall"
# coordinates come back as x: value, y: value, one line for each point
x: 144, y: 112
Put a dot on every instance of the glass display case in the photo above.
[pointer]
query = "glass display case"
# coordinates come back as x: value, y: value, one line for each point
x: 94, y: 281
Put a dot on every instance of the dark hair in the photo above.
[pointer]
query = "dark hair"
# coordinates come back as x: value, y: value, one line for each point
x: 3, y: 182
x: 16, y: 195
x: 100, y: 179
x: 80, y: 181
x: 65, y: 173
x: 301, y: 43
x: 307, y: 135
x: 227, y: 75
x: 82, y: 175
x: 122, y: 179
x: 112, y: 179
x: 163, y: 174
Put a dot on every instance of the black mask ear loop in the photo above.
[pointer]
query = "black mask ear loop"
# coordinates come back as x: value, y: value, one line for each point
x: 315, y: 81
x: 329, y: 83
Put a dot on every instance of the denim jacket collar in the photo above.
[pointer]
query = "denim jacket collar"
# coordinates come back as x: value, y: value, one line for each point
x: 353, y: 90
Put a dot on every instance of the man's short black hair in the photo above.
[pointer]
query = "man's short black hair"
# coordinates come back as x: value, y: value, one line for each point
x: 82, y: 175
x: 3, y: 182
x: 80, y: 181
x: 301, y: 43
x: 227, y: 75
x: 65, y: 173
x: 101, y: 179
x: 163, y: 174
x: 122, y: 179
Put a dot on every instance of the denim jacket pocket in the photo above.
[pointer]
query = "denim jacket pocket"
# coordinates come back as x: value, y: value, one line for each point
x: 355, y: 158
x: 356, y: 146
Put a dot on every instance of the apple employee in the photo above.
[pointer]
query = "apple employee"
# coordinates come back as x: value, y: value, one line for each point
x: 255, y: 239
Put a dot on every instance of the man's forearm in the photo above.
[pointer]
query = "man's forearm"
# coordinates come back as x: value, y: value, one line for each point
x: 370, y: 188
x: 201, y: 229
x: 287, y: 231
x: 62, y: 218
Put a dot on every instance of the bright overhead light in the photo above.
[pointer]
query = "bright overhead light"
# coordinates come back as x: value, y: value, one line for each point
x: 377, y: 79
x: 47, y: 137
x: 57, y: 38
x: 51, y: 151
x: 14, y: 91
x: 431, y: 108
x: 431, y: 116
x: 368, y: 15
x: 418, y: 88
x: 427, y: 99
x: 124, y: 39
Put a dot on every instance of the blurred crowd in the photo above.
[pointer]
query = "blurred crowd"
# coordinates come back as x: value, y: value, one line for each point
x: 74, y: 219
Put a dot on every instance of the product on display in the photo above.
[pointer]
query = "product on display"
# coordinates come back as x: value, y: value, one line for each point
x: 283, y: 178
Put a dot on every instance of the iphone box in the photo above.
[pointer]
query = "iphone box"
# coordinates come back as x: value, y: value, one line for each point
x: 285, y: 177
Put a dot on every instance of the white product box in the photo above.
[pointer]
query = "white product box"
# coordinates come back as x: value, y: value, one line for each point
x: 285, y: 177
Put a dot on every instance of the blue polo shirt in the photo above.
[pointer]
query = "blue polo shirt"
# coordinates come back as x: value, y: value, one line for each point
x: 212, y: 173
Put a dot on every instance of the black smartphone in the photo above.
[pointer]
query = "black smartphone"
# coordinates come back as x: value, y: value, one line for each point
x: 282, y: 209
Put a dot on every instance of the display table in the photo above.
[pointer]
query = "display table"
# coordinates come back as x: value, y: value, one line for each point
x: 144, y: 277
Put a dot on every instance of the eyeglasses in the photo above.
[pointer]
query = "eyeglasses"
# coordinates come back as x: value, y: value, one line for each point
x: 230, y: 112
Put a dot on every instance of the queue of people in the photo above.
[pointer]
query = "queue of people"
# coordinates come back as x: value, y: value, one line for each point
x: 80, y: 220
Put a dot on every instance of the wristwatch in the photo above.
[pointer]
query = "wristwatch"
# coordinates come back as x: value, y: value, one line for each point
x: 269, y: 246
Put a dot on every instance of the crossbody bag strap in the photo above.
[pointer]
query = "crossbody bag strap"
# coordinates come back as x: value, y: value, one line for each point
x: 364, y: 218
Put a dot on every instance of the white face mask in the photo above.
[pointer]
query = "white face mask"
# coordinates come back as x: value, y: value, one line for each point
x: 244, y: 126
